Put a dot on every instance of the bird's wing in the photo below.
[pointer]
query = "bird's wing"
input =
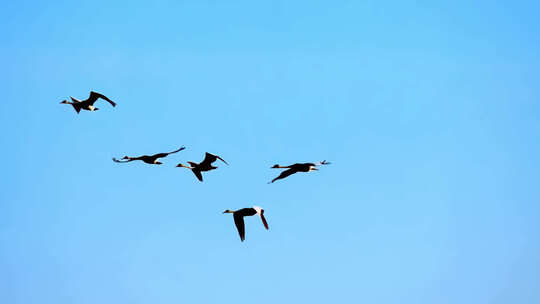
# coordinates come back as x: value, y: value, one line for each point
x: 239, y: 222
x: 208, y: 159
x: 197, y: 174
x: 181, y: 148
x: 77, y: 107
x: 161, y: 155
x: 264, y: 221
x: 95, y: 95
x: 284, y: 174
x: 221, y: 159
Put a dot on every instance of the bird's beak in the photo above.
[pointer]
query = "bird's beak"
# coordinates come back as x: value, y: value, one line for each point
x: 315, y: 169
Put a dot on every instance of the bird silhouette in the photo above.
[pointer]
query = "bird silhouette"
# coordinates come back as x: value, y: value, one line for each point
x: 239, y: 215
x: 205, y: 165
x: 87, y: 104
x: 298, y: 167
x: 149, y: 159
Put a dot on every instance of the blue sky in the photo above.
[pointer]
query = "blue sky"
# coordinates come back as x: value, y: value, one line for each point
x: 428, y: 113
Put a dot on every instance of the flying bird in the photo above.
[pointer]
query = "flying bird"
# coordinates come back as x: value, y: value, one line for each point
x: 238, y: 216
x: 292, y: 169
x: 149, y: 159
x: 205, y: 165
x: 87, y: 104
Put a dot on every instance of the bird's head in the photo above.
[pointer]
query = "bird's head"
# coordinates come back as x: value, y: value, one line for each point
x: 180, y: 165
x: 313, y: 169
x: 64, y: 102
x: 158, y: 163
x: 274, y: 166
x: 95, y: 109
x: 227, y: 211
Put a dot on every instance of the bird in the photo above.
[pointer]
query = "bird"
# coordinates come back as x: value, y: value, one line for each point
x: 87, y: 104
x: 205, y: 165
x: 298, y: 167
x: 238, y: 216
x: 149, y: 159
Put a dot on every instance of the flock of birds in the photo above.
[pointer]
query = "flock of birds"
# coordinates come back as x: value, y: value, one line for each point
x: 197, y: 168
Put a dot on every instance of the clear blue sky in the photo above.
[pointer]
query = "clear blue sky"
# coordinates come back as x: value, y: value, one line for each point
x: 428, y: 112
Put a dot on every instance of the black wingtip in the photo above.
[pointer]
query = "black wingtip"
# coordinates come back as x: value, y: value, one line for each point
x: 226, y: 163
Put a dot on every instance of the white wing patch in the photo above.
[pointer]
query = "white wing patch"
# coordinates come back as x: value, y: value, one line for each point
x: 258, y: 209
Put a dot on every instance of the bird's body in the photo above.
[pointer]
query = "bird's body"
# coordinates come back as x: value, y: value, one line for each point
x: 298, y: 167
x: 239, y: 215
x: 205, y: 165
x: 87, y: 104
x: 149, y: 159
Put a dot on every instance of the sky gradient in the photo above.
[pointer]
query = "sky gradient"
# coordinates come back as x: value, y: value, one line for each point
x: 428, y: 112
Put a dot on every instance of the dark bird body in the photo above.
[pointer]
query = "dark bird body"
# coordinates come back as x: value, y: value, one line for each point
x: 239, y: 215
x: 298, y: 167
x: 149, y: 159
x: 205, y: 165
x: 87, y: 104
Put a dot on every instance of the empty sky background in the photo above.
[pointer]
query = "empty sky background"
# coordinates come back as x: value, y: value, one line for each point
x: 428, y: 112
